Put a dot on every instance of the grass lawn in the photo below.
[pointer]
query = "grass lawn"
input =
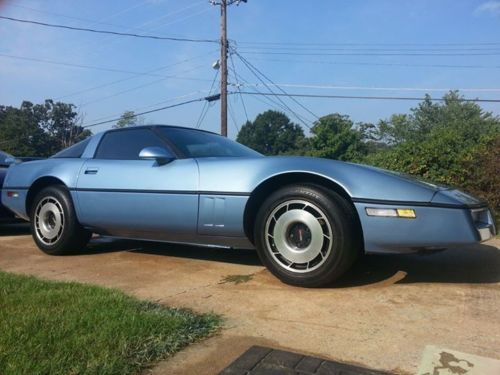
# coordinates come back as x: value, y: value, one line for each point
x: 69, y: 328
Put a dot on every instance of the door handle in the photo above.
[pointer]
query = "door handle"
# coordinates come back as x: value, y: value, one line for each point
x: 91, y: 170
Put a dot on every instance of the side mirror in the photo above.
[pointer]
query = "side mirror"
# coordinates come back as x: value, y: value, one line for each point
x: 10, y: 160
x: 161, y: 155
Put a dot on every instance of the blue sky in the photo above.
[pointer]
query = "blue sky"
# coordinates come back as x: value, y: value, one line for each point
x: 323, y: 32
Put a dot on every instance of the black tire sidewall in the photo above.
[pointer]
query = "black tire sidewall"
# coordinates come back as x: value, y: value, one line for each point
x: 72, y: 235
x: 340, y: 256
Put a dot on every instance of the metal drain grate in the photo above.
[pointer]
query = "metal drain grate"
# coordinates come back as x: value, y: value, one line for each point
x: 259, y: 360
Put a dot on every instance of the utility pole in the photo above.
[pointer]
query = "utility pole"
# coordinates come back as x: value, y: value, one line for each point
x: 223, y: 68
x: 223, y: 60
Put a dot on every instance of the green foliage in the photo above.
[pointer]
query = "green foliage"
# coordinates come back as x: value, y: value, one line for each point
x: 442, y: 142
x: 39, y: 129
x: 481, y: 173
x: 128, y: 118
x: 272, y: 133
x: 70, y: 328
x: 335, y: 137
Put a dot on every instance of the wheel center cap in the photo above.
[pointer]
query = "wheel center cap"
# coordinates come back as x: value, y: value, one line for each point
x: 299, y: 235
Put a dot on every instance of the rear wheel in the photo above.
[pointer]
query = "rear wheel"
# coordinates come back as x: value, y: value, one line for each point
x: 54, y: 225
x: 306, y: 235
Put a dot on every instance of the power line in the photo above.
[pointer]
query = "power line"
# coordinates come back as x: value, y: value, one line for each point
x: 92, y: 67
x: 238, y: 86
x: 150, y: 29
x: 206, y: 105
x: 446, y: 66
x: 147, y: 73
x: 426, y: 49
x: 366, y: 97
x: 233, y: 117
x: 300, y: 118
x: 370, y: 44
x: 370, y: 54
x: 147, y: 112
x: 65, y: 16
x: 152, y: 105
x: 143, y: 36
x: 334, y: 87
x: 265, y: 99
x: 278, y: 87
x: 142, y: 86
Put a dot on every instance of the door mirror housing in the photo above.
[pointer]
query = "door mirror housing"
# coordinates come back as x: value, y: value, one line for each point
x: 10, y: 160
x: 161, y: 155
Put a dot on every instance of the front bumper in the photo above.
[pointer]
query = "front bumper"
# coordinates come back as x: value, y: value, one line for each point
x: 433, y: 227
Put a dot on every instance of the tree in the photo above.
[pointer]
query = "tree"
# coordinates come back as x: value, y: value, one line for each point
x: 481, y: 173
x: 60, y: 121
x: 442, y: 142
x: 39, y: 129
x: 20, y: 134
x: 335, y: 137
x: 128, y: 118
x: 272, y: 133
x: 434, y: 139
x: 467, y: 120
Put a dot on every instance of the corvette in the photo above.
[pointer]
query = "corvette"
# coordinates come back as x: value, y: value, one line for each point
x: 308, y: 218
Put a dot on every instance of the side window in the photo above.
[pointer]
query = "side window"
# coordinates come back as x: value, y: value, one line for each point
x: 126, y: 144
x: 74, y: 151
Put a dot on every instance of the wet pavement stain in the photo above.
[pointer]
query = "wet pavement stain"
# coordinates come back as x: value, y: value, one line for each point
x: 236, y: 279
x: 455, y: 365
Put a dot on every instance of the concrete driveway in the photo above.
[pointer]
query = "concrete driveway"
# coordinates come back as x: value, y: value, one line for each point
x: 381, y: 315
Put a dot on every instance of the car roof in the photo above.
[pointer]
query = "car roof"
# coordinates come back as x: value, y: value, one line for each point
x: 152, y: 126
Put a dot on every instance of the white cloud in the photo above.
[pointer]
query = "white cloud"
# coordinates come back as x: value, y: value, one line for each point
x: 490, y: 7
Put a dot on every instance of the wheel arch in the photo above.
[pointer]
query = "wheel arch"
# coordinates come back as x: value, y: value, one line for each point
x: 266, y: 187
x: 37, y: 186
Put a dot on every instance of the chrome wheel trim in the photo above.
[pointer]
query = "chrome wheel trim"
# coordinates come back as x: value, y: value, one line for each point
x: 278, y: 238
x: 49, y: 220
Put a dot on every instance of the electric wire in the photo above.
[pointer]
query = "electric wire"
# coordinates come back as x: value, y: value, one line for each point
x: 206, y: 105
x: 409, y: 65
x: 372, y: 53
x: 82, y: 66
x: 146, y: 112
x: 295, y: 114
x: 370, y: 88
x: 147, y: 73
x: 164, y: 78
x: 134, y: 35
x: 233, y: 117
x: 289, y: 43
x: 238, y: 86
x: 267, y: 100
x: 136, y: 109
x: 298, y: 95
x: 278, y: 87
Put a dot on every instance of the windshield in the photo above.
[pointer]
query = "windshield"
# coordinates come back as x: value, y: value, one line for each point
x: 200, y: 144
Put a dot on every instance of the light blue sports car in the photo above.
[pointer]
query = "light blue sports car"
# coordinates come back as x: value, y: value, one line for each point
x: 308, y: 218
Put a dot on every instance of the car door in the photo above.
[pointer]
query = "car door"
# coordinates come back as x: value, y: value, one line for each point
x: 119, y: 194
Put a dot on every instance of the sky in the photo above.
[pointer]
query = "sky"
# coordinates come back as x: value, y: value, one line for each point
x: 346, y: 47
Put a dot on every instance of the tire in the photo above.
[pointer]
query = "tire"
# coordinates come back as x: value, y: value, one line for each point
x: 54, y: 225
x: 306, y: 235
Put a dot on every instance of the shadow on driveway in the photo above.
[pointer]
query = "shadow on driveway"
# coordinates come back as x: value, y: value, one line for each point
x: 479, y: 264
x: 16, y: 229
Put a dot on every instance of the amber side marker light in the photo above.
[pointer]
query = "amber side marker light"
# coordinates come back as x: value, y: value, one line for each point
x: 406, y: 213
x: 12, y: 194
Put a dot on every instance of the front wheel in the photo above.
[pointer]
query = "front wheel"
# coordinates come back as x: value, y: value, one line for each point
x: 54, y: 225
x: 306, y: 235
